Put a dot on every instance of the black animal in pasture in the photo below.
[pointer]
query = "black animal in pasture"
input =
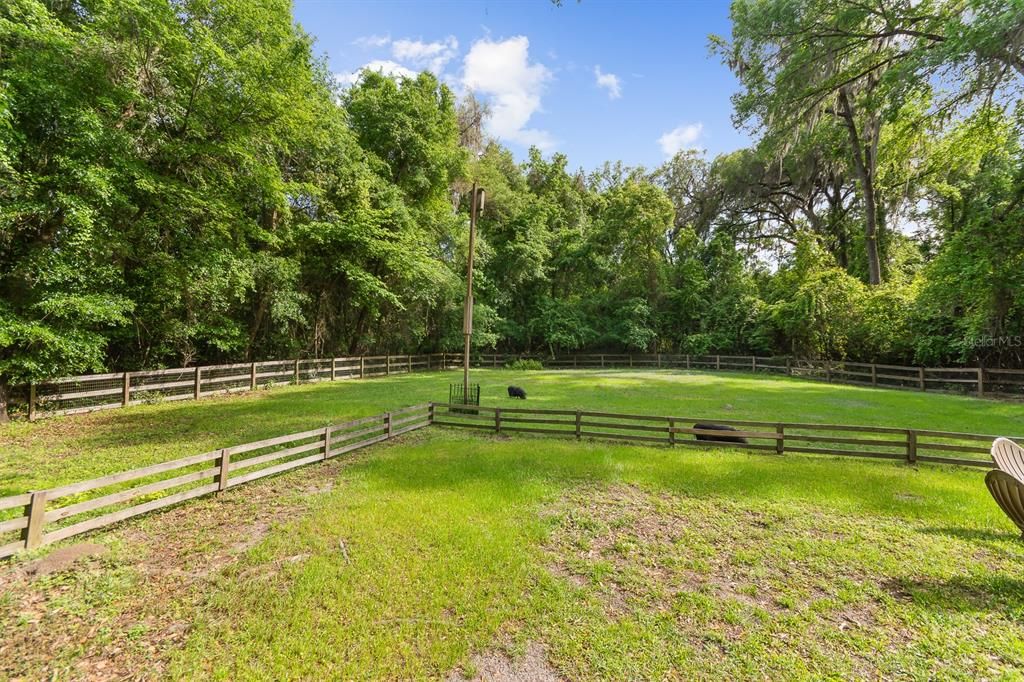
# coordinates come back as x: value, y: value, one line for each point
x: 516, y: 392
x: 715, y: 437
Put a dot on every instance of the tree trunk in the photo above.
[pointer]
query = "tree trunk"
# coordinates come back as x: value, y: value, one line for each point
x: 360, y: 328
x: 256, y: 324
x: 3, y: 403
x: 836, y: 227
x: 864, y: 163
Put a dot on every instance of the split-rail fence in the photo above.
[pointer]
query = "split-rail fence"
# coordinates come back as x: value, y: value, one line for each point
x: 85, y: 393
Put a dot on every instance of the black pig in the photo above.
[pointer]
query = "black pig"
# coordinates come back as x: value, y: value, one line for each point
x: 720, y: 439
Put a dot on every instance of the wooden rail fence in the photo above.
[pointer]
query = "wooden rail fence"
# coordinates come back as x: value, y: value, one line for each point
x: 911, y: 445
x: 90, y: 392
x: 974, y: 380
x: 85, y: 393
x: 68, y: 510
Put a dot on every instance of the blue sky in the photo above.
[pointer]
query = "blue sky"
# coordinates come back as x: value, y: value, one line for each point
x: 616, y: 80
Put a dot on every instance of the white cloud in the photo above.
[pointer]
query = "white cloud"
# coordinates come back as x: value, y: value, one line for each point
x: 680, y: 138
x: 384, y: 66
x: 430, y: 56
x: 608, y: 81
x: 410, y: 57
x: 502, y: 70
x: 371, y: 41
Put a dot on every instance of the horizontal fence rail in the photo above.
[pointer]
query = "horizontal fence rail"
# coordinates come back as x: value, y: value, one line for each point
x: 967, y: 380
x: 910, y: 445
x: 52, y: 515
x: 73, y: 395
x: 86, y: 393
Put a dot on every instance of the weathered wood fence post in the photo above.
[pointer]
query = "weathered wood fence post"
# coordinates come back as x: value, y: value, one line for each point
x: 224, y: 470
x: 579, y: 423
x: 334, y: 368
x: 497, y: 420
x: 296, y: 370
x: 387, y: 420
x: 780, y: 441
x: 874, y: 374
x: 252, y: 377
x: 671, y: 431
x: 911, y: 446
x: 32, y: 402
x: 126, y: 389
x: 981, y: 382
x: 198, y: 382
x: 718, y: 362
x: 362, y: 366
x: 36, y: 513
x: 920, y: 378
x: 327, y: 442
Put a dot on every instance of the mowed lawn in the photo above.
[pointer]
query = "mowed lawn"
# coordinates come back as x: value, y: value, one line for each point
x: 449, y: 554
x: 65, y: 449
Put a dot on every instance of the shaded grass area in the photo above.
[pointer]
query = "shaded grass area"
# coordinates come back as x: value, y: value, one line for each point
x: 624, y: 562
x: 55, y: 451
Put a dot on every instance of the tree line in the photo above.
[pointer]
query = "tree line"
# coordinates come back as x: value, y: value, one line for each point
x: 184, y: 181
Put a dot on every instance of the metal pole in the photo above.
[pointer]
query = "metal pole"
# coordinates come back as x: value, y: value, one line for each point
x: 467, y: 315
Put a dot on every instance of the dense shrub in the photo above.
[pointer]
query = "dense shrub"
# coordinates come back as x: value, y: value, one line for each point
x: 524, y: 364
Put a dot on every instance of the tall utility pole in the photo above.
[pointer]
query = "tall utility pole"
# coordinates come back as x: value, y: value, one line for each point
x: 476, y: 204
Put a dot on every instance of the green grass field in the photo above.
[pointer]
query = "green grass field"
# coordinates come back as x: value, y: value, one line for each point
x: 61, y: 450
x: 626, y: 562
x: 449, y: 554
x: 446, y: 550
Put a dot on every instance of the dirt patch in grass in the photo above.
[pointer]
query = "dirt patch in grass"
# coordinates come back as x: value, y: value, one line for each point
x: 63, y: 558
x: 498, y: 666
x: 743, y: 586
x: 644, y: 549
x: 116, y: 607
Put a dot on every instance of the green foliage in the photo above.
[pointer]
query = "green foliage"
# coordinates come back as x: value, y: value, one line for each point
x: 524, y: 365
x: 630, y: 325
x: 816, y: 304
x: 187, y: 183
x: 563, y: 325
x: 180, y: 185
